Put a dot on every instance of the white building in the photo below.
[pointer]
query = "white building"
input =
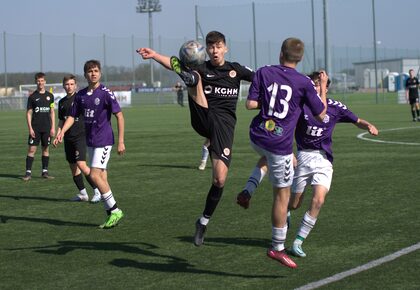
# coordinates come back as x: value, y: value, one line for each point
x: 365, y: 71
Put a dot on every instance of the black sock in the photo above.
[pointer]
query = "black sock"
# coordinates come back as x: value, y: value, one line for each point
x: 90, y: 181
x: 108, y: 211
x: 213, y: 198
x: 45, y: 160
x: 29, y: 161
x: 78, y: 180
x: 413, y: 114
x: 417, y: 111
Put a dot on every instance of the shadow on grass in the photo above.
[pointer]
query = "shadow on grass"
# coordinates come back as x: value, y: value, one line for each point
x: 64, y: 247
x: 223, y: 242
x: 42, y: 198
x: 4, y: 219
x: 169, y: 166
x: 11, y: 176
x: 181, y: 266
x: 172, y: 263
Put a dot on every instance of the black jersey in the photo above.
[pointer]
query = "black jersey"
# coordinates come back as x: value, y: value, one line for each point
x: 41, y: 105
x: 64, y: 110
x: 221, y: 85
x: 412, y: 85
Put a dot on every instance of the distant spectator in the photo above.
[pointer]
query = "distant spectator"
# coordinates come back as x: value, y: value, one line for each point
x: 179, y: 93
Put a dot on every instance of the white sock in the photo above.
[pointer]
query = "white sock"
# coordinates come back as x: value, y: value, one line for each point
x: 279, y: 238
x: 254, y: 180
x: 204, y: 153
x: 108, y: 200
x: 96, y: 191
x: 83, y: 191
x: 305, y: 228
x: 204, y: 221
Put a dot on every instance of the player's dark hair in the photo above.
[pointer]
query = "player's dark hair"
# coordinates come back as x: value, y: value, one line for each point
x: 39, y: 75
x: 91, y: 64
x: 316, y: 77
x: 69, y: 77
x: 214, y: 37
x: 292, y: 49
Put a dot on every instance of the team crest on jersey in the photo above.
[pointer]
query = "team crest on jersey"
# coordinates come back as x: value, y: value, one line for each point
x: 207, y: 89
x: 232, y: 73
x: 48, y: 98
x: 270, y: 125
x: 226, y: 151
x: 97, y: 101
x: 326, y: 119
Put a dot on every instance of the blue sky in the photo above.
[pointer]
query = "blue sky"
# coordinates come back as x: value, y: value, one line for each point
x: 118, y: 18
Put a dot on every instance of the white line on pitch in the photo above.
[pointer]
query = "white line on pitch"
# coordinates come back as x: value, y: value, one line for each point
x: 361, y: 136
x: 361, y: 268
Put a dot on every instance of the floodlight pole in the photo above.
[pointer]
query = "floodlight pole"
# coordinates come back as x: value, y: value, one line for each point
x: 255, y: 35
x: 5, y: 61
x: 326, y: 44
x: 74, y: 53
x: 313, y: 33
x: 196, y: 21
x: 149, y: 6
x: 40, y: 52
x: 374, y: 50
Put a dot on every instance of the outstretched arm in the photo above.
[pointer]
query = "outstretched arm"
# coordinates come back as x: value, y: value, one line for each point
x: 365, y: 125
x: 148, y: 53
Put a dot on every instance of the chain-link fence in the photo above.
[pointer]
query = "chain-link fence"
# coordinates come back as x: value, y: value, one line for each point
x: 254, y: 34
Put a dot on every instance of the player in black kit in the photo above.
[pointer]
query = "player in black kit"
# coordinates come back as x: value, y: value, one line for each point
x: 213, y: 89
x: 75, y: 142
x: 412, y: 94
x: 40, y: 118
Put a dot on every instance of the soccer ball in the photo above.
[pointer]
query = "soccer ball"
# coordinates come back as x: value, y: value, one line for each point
x: 192, y: 53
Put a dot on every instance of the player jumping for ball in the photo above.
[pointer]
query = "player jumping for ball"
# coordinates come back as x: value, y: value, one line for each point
x: 213, y: 89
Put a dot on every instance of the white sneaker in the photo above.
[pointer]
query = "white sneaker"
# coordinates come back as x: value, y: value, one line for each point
x: 96, y: 197
x: 80, y: 197
x: 298, y: 251
x: 202, y: 165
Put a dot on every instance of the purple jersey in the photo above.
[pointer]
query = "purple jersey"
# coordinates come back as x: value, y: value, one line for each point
x: 96, y: 107
x: 313, y: 134
x: 281, y: 93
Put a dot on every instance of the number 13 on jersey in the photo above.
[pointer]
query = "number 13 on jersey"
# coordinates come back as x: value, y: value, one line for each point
x: 285, y: 102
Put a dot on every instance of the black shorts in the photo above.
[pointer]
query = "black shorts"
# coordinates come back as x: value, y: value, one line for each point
x: 413, y: 100
x: 44, y: 137
x: 75, y: 149
x: 219, y: 131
